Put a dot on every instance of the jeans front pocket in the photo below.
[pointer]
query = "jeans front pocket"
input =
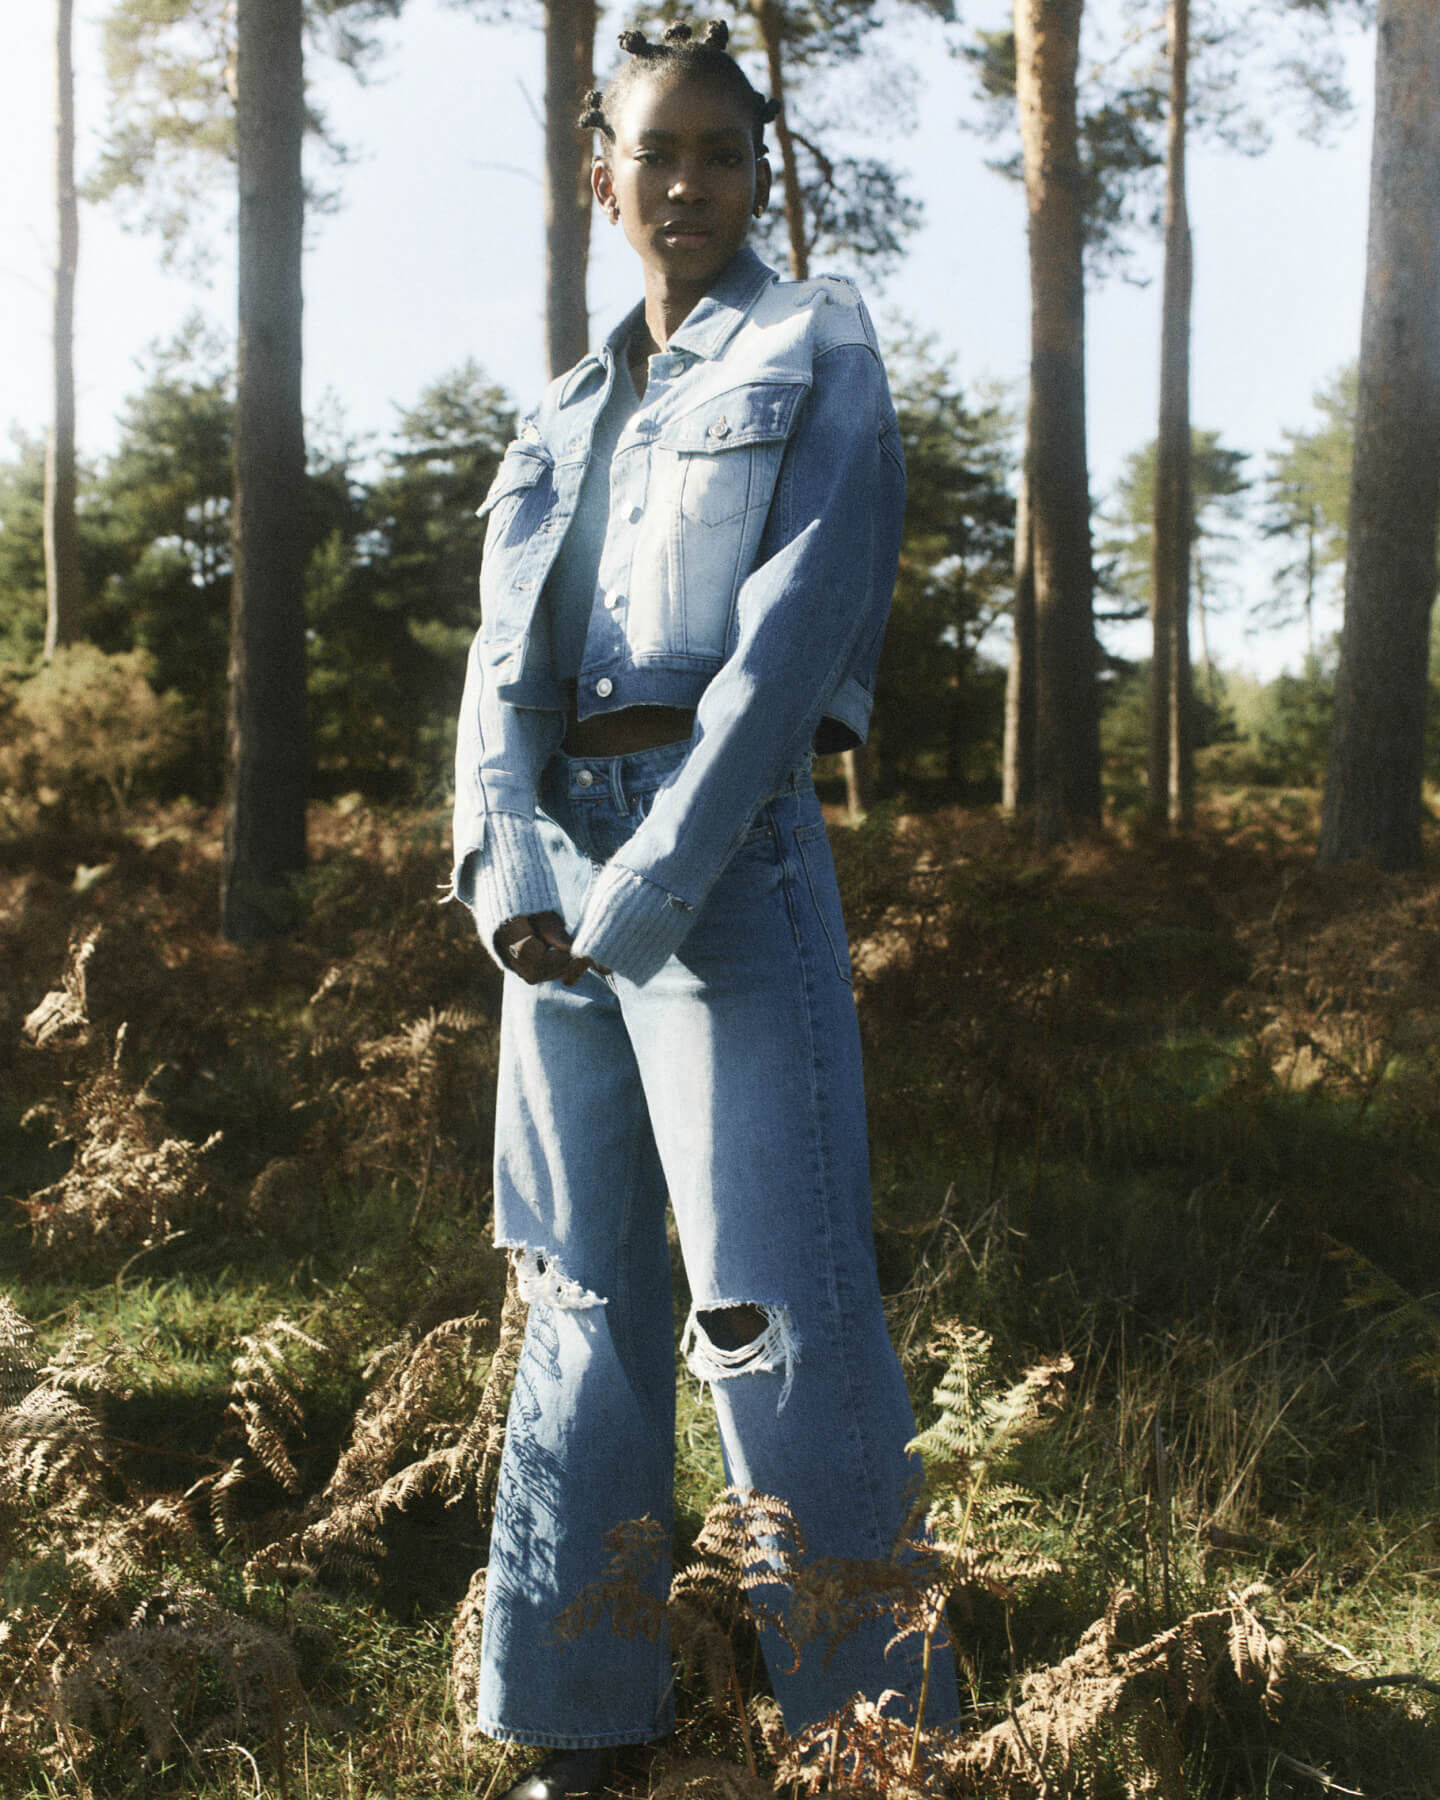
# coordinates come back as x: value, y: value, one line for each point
x: 814, y: 851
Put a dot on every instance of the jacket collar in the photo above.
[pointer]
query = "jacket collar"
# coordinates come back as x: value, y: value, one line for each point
x: 708, y: 328
x: 715, y: 319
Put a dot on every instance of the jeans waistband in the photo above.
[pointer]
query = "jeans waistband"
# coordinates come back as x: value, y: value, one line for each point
x: 621, y: 779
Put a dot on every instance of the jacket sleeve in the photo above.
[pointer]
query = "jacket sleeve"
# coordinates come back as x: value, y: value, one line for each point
x: 819, y: 594
x: 500, y: 870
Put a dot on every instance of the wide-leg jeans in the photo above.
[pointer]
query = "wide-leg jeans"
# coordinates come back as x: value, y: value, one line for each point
x: 730, y: 1082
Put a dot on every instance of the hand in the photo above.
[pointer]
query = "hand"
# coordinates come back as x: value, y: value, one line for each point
x: 537, y: 947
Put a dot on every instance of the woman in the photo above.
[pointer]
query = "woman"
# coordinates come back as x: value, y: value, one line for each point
x: 688, y: 564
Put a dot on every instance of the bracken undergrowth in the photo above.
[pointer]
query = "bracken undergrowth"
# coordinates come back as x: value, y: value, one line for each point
x: 1154, y: 1127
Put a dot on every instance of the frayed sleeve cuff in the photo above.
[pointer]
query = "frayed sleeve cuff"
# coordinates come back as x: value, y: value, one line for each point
x: 630, y: 925
x: 507, y: 877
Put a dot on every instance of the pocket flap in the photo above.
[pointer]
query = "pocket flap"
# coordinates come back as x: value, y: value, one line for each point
x: 756, y: 414
x: 521, y: 467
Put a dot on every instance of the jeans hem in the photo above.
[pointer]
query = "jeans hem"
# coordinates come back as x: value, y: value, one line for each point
x: 595, y: 1740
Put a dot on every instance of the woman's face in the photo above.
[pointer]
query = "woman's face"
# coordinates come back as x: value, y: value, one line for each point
x: 683, y: 179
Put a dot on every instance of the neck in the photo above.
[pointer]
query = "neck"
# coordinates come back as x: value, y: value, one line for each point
x: 667, y: 306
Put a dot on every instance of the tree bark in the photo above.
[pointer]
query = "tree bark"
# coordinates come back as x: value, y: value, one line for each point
x: 1018, y: 772
x: 1172, y: 755
x: 62, y: 552
x: 1067, y: 732
x: 569, y: 74
x: 1372, y: 807
x: 267, y: 739
x: 769, y: 23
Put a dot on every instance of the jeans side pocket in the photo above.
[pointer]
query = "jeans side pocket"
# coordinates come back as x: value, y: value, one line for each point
x: 814, y: 848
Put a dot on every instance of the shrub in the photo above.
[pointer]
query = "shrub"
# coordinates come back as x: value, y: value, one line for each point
x: 81, y: 735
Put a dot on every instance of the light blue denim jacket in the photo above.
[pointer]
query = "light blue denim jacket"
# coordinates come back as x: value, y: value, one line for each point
x: 756, y: 500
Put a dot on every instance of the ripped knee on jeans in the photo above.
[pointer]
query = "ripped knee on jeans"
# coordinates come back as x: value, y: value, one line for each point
x: 740, y: 1338
x: 541, y: 1280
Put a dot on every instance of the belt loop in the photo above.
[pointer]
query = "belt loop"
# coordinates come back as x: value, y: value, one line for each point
x: 617, y: 785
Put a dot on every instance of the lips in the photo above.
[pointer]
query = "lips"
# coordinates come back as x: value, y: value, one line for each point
x: 684, y: 236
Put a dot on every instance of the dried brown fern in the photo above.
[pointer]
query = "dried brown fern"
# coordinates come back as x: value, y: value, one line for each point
x: 196, y: 1676
x: 748, y: 1552
x: 1397, y: 1313
x: 1139, y: 1693
x: 62, y: 1018
x: 129, y: 1184
x: 708, y: 1778
x: 401, y: 1104
x: 19, y: 1370
x: 100, y: 1636
x: 419, y: 1431
x: 266, y: 1397
x: 862, y: 1749
x: 465, y: 1657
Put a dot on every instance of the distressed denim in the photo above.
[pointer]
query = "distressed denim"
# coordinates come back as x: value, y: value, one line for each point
x: 755, y: 505
x: 730, y: 1080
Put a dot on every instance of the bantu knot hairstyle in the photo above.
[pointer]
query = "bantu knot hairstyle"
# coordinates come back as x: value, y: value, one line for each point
x: 680, y: 53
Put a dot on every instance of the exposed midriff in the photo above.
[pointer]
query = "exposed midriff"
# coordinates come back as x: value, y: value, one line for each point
x: 632, y: 728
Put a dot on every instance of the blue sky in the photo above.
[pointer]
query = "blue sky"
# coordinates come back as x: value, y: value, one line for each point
x: 435, y: 254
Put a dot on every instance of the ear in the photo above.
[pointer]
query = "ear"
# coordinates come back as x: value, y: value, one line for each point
x: 763, y: 178
x: 603, y: 188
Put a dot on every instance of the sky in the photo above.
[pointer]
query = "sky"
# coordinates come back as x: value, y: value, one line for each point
x: 436, y: 254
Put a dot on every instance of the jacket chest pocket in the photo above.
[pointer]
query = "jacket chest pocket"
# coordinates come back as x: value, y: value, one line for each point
x: 518, y: 507
x: 727, y: 451
x: 519, y: 482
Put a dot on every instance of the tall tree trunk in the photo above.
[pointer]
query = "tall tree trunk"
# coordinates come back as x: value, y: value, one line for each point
x: 569, y: 74
x: 1311, y: 572
x: 62, y: 552
x: 267, y: 748
x: 769, y: 21
x: 1373, y: 783
x: 1067, y: 730
x: 1172, y: 757
x: 1018, y: 774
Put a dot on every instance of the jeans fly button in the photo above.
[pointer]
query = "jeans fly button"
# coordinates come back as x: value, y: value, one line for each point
x: 586, y: 778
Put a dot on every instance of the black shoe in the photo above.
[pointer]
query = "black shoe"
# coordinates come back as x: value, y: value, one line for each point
x: 562, y: 1772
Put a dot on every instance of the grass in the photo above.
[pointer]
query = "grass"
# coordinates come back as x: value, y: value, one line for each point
x: 1171, y: 1107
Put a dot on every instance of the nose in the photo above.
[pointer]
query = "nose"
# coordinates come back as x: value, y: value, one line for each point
x: 687, y: 184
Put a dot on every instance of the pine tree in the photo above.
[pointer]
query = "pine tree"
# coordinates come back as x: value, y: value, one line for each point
x: 1372, y: 806
x: 62, y: 550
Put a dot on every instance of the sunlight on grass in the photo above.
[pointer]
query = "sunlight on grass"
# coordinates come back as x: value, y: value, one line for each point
x: 1169, y: 1108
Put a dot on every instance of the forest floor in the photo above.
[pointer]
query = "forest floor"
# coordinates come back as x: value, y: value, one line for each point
x: 1166, y: 1107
